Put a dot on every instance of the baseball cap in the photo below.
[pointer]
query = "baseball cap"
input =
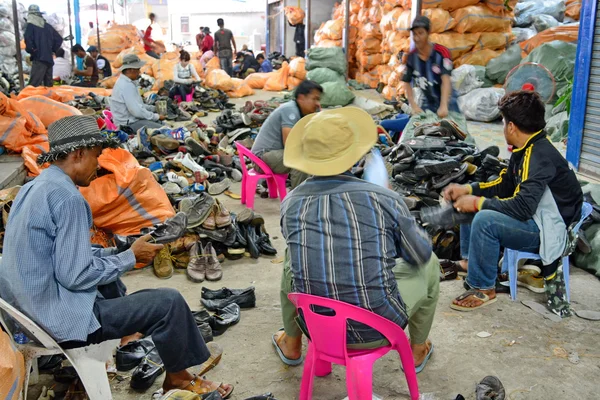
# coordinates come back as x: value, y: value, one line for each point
x: 421, y: 22
x: 92, y: 49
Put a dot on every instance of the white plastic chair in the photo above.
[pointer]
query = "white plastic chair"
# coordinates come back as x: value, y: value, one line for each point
x: 89, y: 362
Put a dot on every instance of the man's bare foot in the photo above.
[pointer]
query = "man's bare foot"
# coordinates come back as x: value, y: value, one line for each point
x: 290, y: 346
x: 474, y: 298
x: 464, y: 265
x: 128, y: 339
x: 420, y: 351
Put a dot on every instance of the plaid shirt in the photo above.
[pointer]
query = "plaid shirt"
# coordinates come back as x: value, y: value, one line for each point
x: 344, y: 236
x: 49, y: 270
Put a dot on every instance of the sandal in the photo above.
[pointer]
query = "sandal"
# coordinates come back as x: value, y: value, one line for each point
x: 477, y: 294
x: 201, y: 388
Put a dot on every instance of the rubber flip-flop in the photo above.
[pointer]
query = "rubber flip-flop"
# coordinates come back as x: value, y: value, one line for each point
x: 479, y: 295
x: 421, y: 366
x: 286, y: 361
x: 234, y: 196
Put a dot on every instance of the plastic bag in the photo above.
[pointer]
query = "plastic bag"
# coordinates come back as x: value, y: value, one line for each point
x: 557, y: 127
x: 464, y: 79
x: 441, y: 20
x: 220, y: 80
x: 480, y: 19
x: 478, y: 57
x: 458, y: 44
x: 564, y: 33
x: 323, y: 75
x: 48, y: 110
x: 501, y: 5
x: 449, y: 5
x: 162, y: 71
x: 333, y: 29
x: 293, y: 82
x: 278, y: 80
x: 573, y: 9
x: 127, y: 200
x: 298, y: 68
x: 498, y: 68
x: 258, y: 80
x: 523, y: 34
x: 375, y: 171
x: 494, y: 41
x: 525, y: 11
x: 559, y: 58
x: 332, y: 58
x: 294, y: 15
x: 240, y: 89
x: 481, y: 104
x: 336, y: 94
x: 12, y: 369
x: 543, y: 22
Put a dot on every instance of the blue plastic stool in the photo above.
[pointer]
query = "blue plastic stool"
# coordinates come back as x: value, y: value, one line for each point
x: 512, y: 257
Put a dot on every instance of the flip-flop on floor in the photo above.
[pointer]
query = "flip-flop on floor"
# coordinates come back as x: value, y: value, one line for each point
x: 478, y: 295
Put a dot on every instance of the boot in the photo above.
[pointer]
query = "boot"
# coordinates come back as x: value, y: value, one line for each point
x: 163, y: 265
x: 213, y: 266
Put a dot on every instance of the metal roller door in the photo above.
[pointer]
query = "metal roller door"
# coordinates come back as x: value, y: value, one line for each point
x: 589, y: 163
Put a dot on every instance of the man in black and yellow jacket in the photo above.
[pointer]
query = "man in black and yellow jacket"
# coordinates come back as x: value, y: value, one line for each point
x: 528, y: 208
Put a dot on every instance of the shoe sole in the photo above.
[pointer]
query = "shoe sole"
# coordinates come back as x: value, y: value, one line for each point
x: 194, y: 279
x: 441, y: 168
x: 216, y: 352
x: 532, y: 288
x: 236, y: 251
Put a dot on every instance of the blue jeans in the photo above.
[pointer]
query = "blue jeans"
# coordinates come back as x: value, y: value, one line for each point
x: 396, y: 124
x: 480, y: 243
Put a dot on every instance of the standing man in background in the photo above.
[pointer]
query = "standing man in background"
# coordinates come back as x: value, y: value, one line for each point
x: 223, y: 47
x: 41, y: 40
x: 148, y: 42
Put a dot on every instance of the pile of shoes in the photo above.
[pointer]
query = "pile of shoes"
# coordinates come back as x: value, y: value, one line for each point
x: 216, y: 324
x: 142, y: 355
x: 211, y: 99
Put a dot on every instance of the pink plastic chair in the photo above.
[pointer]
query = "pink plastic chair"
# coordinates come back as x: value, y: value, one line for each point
x: 250, y: 178
x: 108, y: 121
x: 189, y: 97
x: 327, y: 345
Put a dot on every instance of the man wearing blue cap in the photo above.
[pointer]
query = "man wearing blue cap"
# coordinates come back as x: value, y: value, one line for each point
x: 89, y: 74
x: 103, y: 65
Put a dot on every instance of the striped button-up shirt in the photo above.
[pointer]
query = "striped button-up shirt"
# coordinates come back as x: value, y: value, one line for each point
x: 49, y: 270
x: 344, y: 235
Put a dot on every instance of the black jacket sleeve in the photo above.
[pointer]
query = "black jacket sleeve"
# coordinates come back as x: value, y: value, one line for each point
x: 536, y: 172
x: 30, y: 45
x: 502, y: 187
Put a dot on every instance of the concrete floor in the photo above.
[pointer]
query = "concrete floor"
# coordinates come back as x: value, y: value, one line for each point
x: 527, y: 352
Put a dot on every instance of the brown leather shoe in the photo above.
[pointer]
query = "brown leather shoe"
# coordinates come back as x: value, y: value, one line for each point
x: 184, y: 243
x: 211, y: 222
x: 163, y: 265
x: 213, y: 266
x: 196, y: 269
x: 222, y: 215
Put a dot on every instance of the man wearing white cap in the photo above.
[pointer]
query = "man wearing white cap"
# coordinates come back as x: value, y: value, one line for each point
x: 41, y: 40
x: 351, y: 240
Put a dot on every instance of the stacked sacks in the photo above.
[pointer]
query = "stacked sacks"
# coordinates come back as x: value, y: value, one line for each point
x: 327, y: 66
x: 8, y: 50
x: 116, y: 39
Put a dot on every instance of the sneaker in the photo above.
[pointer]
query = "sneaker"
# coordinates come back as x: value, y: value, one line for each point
x: 164, y: 143
x: 213, y: 266
x: 210, y: 222
x: 222, y: 215
x: 163, y: 265
x: 198, y: 147
x: 219, y: 187
x: 196, y: 269
x: 531, y: 280
x: 190, y: 164
x: 171, y: 188
x: 197, y: 209
x: 179, y: 180
x: 236, y: 175
x: 144, y: 140
x: 180, y: 134
x: 156, y: 167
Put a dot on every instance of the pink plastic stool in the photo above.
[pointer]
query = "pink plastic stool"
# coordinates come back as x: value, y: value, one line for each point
x: 250, y: 178
x: 189, y: 97
x: 108, y: 121
x: 327, y: 345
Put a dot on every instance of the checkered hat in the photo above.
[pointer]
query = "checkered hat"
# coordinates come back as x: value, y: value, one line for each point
x: 71, y: 133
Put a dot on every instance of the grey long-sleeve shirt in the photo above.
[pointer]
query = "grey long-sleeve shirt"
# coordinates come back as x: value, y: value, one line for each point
x: 126, y: 104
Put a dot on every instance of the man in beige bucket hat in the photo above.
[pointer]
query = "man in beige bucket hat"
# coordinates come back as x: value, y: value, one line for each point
x: 351, y: 240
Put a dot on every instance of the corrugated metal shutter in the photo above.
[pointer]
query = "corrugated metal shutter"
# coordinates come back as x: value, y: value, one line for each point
x: 589, y: 163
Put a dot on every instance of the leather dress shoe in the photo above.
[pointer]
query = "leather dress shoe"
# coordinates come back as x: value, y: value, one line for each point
x: 239, y: 237
x: 202, y: 319
x: 123, y: 243
x: 399, y: 168
x: 224, y: 318
x: 245, y: 299
x: 218, y: 235
x: 426, y: 144
x: 169, y: 231
x: 439, y: 182
x: 444, y: 216
x: 223, y: 293
x: 145, y: 374
x: 263, y: 241
x: 427, y: 168
x: 401, y: 153
x: 130, y: 355
x: 407, y: 177
x: 252, y: 241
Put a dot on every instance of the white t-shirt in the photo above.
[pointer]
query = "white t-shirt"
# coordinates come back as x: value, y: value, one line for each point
x: 62, y: 68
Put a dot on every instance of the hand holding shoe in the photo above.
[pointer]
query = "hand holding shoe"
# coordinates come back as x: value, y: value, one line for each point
x: 143, y: 251
x: 467, y: 204
x: 454, y: 191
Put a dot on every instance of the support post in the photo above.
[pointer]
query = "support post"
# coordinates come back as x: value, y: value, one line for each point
x: 18, y: 43
x: 70, y: 31
x: 346, y: 36
x: 308, y: 29
x: 77, y: 30
x: 415, y: 11
x: 267, y: 30
x: 98, y: 28
x: 282, y: 27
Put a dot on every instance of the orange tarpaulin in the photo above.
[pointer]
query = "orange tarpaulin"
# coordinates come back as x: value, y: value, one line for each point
x: 258, y: 80
x: 12, y: 369
x: 48, y: 110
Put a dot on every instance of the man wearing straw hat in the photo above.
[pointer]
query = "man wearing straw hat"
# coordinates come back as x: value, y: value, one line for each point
x: 50, y: 271
x: 351, y: 240
x: 126, y: 103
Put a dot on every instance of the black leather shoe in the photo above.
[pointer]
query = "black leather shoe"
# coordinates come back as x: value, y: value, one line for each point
x: 223, y: 293
x: 245, y: 299
x: 252, y: 241
x: 426, y: 168
x: 123, y: 243
x: 202, y: 319
x: 444, y: 216
x: 218, y: 235
x: 439, y: 182
x: 240, y: 237
x: 264, y: 243
x: 145, y: 374
x: 169, y: 231
x: 224, y: 318
x: 130, y: 355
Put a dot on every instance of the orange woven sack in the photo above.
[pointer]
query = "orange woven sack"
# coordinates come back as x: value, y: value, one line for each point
x: 369, y: 46
x: 375, y: 14
x: 404, y: 23
x: 388, y: 5
x: 395, y: 42
x: 109, y: 82
x: 478, y: 57
x: 388, y: 21
x: 449, y: 5
x: 279, y: 79
x: 494, y: 41
x: 294, y: 15
x: 480, y: 19
x: 370, y: 78
x: 501, y: 5
x: 298, y: 68
x: 566, y: 33
x: 12, y: 369
x: 573, y: 9
x: 332, y: 29
x: 48, y: 110
x: 258, y: 80
x: 441, y: 20
x: 389, y: 93
x: 458, y: 44
x: 371, y: 31
x: 14, y: 136
x: 29, y: 154
x: 12, y: 108
x: 220, y: 80
x: 329, y: 43
x: 240, y: 89
x: 214, y: 63
x: 137, y: 49
x: 293, y: 83
x: 162, y: 70
x: 127, y: 200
